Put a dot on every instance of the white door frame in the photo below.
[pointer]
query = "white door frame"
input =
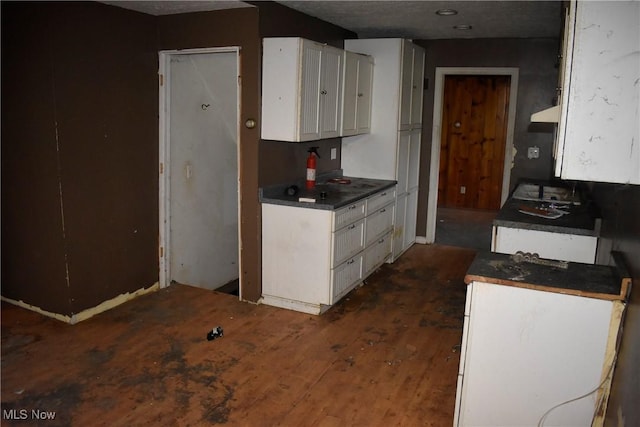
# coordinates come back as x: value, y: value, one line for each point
x: 509, y: 152
x: 164, y: 175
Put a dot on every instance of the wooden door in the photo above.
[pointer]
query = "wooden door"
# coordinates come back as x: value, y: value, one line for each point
x: 474, y: 132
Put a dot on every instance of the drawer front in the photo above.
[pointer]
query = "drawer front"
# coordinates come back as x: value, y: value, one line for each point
x: 376, y: 254
x: 380, y: 199
x: 348, y: 214
x: 378, y: 223
x: 347, y: 242
x: 345, y: 276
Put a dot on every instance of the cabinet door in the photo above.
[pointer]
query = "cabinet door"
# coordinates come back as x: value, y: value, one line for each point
x: 399, y: 225
x: 376, y: 254
x: 365, y: 87
x: 413, y: 173
x: 331, y: 92
x: 310, y: 91
x: 348, y: 241
x: 599, y: 129
x: 350, y: 91
x: 417, y: 87
x: 410, y: 219
x: 378, y: 223
x: 406, y: 85
x: 345, y: 276
x: 402, y: 168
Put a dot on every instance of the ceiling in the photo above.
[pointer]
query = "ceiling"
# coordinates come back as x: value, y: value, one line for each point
x: 400, y: 18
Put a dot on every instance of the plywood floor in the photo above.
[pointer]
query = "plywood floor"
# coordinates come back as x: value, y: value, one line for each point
x: 386, y: 355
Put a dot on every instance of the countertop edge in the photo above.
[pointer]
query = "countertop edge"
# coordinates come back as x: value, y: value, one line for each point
x: 384, y: 184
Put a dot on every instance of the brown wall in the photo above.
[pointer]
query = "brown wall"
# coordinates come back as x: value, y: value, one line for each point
x: 80, y: 143
x: 234, y: 27
x: 538, y: 76
x: 79, y: 154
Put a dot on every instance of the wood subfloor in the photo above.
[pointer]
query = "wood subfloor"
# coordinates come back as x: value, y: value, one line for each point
x: 387, y: 354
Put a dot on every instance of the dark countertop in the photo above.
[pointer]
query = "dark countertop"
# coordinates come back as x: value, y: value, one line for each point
x: 582, y: 219
x: 337, y: 195
x: 594, y: 281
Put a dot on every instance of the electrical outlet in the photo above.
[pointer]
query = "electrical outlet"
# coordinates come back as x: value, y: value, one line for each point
x: 334, y: 153
x: 463, y: 189
x: 533, y: 152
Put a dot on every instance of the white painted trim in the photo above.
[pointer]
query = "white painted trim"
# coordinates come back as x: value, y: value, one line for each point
x: 509, y: 152
x: 164, y: 194
x: 89, y: 312
x: 421, y: 240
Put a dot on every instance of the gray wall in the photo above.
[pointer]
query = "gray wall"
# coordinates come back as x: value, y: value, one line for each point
x: 620, y: 208
x: 538, y: 76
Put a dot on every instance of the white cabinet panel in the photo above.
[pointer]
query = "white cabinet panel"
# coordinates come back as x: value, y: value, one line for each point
x: 377, y: 253
x: 348, y: 241
x: 345, y: 276
x: 413, y: 168
x: 560, y: 246
x: 313, y: 257
x: 526, y: 351
x: 331, y: 92
x: 349, y: 214
x: 357, y: 85
x: 380, y: 199
x: 399, y: 225
x: 392, y: 149
x: 378, y: 223
x: 301, y: 90
x: 410, y: 219
x: 598, y: 132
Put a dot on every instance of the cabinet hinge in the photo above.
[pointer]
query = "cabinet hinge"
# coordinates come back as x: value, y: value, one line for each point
x: 161, y: 78
x: 161, y: 251
x: 161, y: 168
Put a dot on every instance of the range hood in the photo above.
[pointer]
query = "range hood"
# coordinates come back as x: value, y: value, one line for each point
x: 550, y: 115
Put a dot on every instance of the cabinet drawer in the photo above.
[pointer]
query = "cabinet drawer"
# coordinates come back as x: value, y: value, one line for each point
x: 348, y: 241
x: 380, y: 199
x: 345, y: 276
x: 349, y: 214
x: 378, y: 223
x: 376, y: 254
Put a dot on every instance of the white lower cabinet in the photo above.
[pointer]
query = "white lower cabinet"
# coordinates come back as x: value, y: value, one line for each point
x: 313, y: 257
x: 528, y: 355
x: 559, y: 246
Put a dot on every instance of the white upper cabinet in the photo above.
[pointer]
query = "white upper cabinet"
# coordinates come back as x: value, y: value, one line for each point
x: 357, y: 86
x: 301, y: 90
x: 598, y: 134
x: 412, y: 85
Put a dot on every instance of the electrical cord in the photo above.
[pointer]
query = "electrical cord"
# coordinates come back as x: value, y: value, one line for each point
x: 606, y: 378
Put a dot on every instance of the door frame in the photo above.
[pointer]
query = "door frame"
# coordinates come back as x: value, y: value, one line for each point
x: 164, y: 175
x: 436, y: 135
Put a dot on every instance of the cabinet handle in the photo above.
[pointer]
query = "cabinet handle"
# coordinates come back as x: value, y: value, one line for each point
x: 381, y: 241
x: 352, y: 207
x: 382, y: 210
x: 383, y: 194
x: 360, y: 95
x: 351, y: 227
x: 323, y: 92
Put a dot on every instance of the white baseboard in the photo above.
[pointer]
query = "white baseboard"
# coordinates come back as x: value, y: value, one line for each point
x: 421, y: 240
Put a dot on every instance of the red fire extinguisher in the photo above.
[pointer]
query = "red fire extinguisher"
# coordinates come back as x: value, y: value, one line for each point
x: 311, y: 167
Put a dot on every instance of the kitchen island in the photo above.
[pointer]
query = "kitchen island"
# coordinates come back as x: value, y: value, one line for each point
x: 319, y: 244
x: 536, y: 337
x: 569, y: 233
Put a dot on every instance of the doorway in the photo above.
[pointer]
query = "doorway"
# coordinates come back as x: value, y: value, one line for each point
x: 471, y: 152
x: 199, y: 180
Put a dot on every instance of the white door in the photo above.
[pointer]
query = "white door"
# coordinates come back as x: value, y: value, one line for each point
x: 202, y: 150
